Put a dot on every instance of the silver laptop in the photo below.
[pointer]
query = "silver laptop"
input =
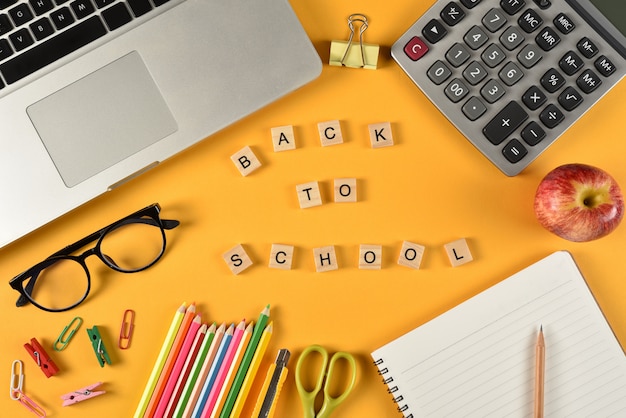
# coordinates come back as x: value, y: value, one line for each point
x: 94, y: 92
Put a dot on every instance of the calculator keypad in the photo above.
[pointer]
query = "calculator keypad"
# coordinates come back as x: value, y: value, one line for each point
x: 511, y: 75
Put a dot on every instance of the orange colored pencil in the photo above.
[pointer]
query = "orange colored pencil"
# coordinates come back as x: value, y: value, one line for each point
x: 171, y: 359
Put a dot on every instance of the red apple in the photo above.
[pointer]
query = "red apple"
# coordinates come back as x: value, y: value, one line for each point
x: 579, y: 202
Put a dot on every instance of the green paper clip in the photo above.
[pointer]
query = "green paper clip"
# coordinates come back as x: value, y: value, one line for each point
x: 98, y: 346
x: 63, y: 340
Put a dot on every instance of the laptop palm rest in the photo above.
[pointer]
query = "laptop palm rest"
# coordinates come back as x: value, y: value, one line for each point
x: 102, y: 119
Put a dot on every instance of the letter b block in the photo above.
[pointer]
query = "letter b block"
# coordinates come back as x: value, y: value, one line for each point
x: 245, y: 161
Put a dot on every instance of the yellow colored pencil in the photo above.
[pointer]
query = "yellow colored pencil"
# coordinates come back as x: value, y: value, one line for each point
x: 252, y: 371
x: 160, y: 362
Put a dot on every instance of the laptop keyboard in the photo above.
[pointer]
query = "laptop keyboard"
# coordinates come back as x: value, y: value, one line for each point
x: 36, y: 33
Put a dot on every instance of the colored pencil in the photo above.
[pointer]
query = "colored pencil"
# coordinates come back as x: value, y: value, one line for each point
x: 252, y: 371
x: 160, y: 362
x: 210, y: 380
x: 186, y: 369
x: 230, y: 376
x: 220, y: 378
x: 245, y: 363
x: 195, y: 371
x: 169, y: 363
x: 204, y: 371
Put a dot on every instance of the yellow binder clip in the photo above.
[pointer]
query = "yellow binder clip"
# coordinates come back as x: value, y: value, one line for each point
x: 344, y: 53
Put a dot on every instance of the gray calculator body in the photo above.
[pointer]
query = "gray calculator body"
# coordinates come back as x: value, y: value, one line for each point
x: 513, y: 75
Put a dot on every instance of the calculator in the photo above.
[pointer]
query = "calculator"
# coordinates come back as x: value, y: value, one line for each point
x: 513, y: 75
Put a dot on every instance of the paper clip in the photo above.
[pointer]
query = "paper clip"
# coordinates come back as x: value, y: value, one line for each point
x: 346, y: 54
x: 30, y: 404
x: 128, y: 323
x: 63, y: 340
x: 17, y: 379
x: 98, y: 346
x: 40, y: 356
x: 82, y: 394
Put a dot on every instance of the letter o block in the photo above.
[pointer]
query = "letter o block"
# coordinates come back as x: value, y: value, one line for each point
x: 411, y: 255
x: 345, y: 190
x: 370, y: 257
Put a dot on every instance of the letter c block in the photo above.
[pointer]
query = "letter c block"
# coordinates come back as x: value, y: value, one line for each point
x: 330, y: 133
x: 281, y: 256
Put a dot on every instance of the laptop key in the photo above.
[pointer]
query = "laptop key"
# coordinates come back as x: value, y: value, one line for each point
x: 53, y: 49
x: 140, y: 7
x: 6, y: 3
x: 116, y: 16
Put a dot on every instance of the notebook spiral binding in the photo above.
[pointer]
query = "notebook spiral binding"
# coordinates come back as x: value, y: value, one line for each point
x: 392, y: 389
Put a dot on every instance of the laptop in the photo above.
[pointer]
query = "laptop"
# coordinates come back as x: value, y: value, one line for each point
x: 95, y: 92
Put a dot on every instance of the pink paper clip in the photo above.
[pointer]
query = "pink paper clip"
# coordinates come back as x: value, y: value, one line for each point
x: 82, y: 394
x: 30, y: 404
x: 128, y: 323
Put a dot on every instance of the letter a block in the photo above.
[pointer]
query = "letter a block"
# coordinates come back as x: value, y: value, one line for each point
x: 370, y: 257
x: 411, y: 255
x: 330, y: 133
x: 458, y: 252
x: 345, y: 190
x: 283, y: 138
x: 325, y: 259
x: 246, y: 161
x: 309, y: 195
x: 281, y: 256
x: 237, y: 259
x: 380, y: 135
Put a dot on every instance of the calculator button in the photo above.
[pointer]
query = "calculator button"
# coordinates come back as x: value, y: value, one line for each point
x: 456, y: 90
x: 510, y: 73
x: 571, y: 63
x: 552, y: 80
x: 512, y: 6
x: 547, y: 39
x: 415, y: 48
x: 492, y: 91
x: 457, y: 55
x: 551, y: 116
x: 493, y: 55
x: 529, y: 21
x: 514, y: 151
x: 470, y: 3
x: 439, y: 72
x: 475, y: 37
x: 434, y: 31
x: 474, y: 108
x: 494, y: 20
x: 533, y: 133
x: 588, y: 81
x: 604, y: 66
x: 570, y: 98
x: 511, y: 38
x: 474, y: 73
x: 534, y: 98
x: 543, y: 4
x: 452, y: 14
x: 505, y: 123
x: 587, y: 47
x: 529, y: 55
x: 563, y: 23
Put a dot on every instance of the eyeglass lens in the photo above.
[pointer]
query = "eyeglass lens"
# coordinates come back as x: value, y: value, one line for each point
x: 133, y: 246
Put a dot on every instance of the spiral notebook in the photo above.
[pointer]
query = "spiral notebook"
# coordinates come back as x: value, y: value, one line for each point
x: 477, y: 359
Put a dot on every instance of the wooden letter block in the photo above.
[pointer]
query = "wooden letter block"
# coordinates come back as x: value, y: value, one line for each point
x: 281, y: 256
x: 411, y: 255
x: 237, y: 259
x: 345, y: 190
x: 283, y: 138
x: 309, y: 194
x: 330, y: 133
x: 370, y: 257
x: 458, y: 252
x: 380, y: 135
x: 325, y: 259
x: 246, y: 161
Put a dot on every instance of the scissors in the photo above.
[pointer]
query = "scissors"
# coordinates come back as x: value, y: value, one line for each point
x: 308, y: 397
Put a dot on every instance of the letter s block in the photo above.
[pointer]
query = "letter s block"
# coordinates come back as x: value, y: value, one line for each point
x: 237, y: 259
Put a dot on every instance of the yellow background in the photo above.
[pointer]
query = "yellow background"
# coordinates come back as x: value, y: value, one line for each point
x: 432, y: 188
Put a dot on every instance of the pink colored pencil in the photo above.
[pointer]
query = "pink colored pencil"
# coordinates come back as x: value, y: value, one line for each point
x: 178, y: 366
x: 225, y: 366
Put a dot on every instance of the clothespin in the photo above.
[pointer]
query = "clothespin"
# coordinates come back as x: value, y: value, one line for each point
x: 346, y: 54
x: 82, y: 394
x: 98, y: 346
x: 17, y: 379
x: 42, y: 359
x: 127, y: 329
x: 63, y: 340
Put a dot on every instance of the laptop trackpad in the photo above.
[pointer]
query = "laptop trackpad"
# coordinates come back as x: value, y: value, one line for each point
x: 102, y: 119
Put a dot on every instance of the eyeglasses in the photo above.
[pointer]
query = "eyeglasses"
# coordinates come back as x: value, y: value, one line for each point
x: 62, y: 281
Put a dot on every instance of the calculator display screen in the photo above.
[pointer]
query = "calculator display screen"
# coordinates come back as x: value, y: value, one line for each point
x: 614, y: 11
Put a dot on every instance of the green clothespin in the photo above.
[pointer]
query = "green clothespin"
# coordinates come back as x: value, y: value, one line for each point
x: 98, y: 346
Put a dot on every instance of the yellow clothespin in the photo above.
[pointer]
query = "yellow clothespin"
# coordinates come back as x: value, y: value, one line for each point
x: 346, y: 54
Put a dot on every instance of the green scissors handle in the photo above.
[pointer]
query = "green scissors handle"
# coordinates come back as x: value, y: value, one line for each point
x: 308, y: 397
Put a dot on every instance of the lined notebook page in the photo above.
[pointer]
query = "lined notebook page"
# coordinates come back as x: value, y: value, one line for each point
x: 478, y: 359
